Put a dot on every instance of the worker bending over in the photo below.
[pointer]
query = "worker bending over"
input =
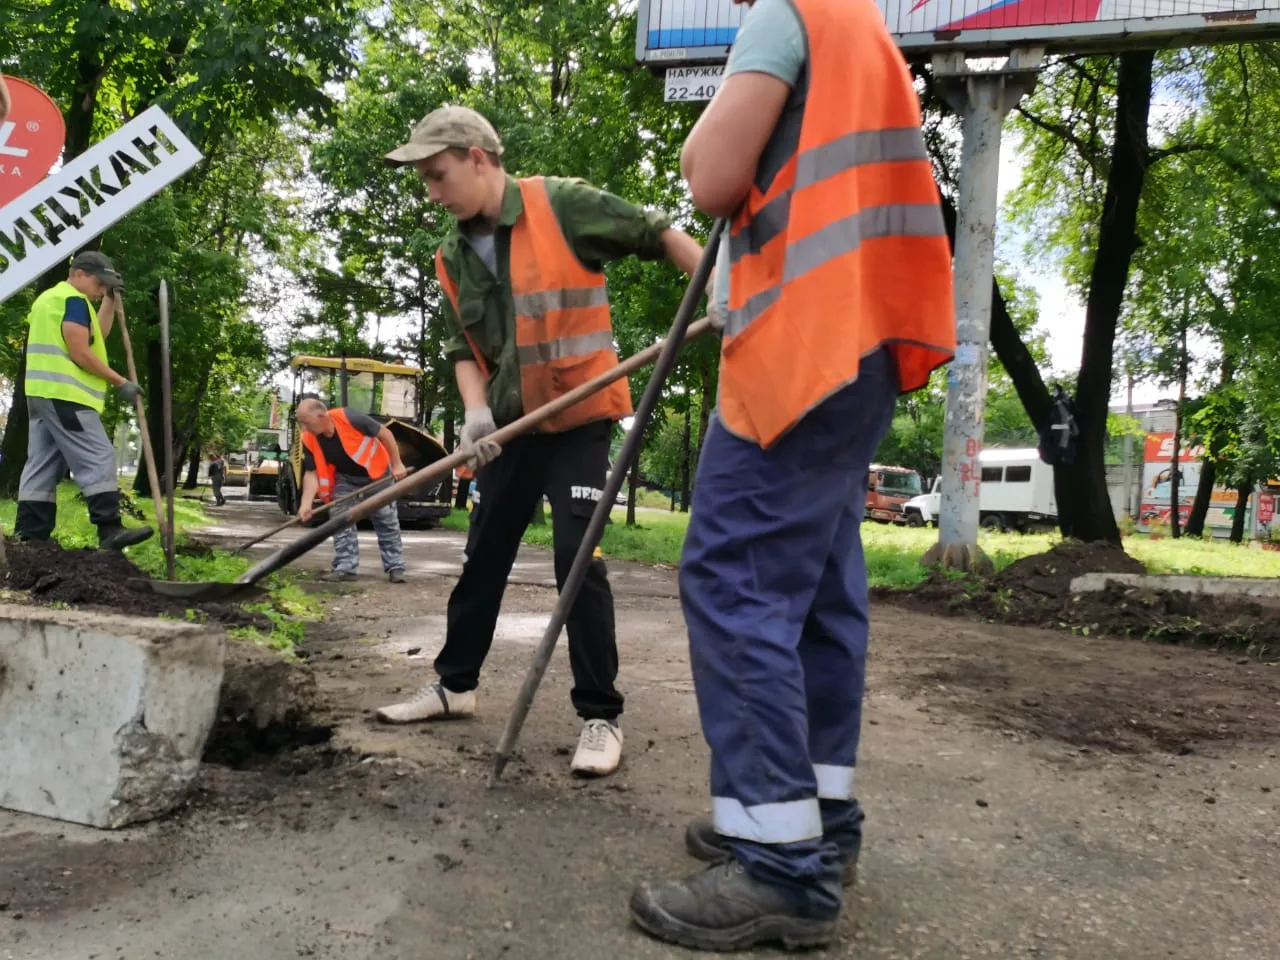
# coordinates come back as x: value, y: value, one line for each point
x: 523, y: 275
x: 835, y: 295
x: 66, y: 385
x: 343, y: 451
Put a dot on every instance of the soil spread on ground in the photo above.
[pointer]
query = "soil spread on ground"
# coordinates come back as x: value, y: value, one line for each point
x: 103, y: 580
x: 1036, y: 591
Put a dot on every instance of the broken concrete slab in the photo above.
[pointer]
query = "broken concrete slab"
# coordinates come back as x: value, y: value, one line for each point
x: 1213, y: 586
x: 103, y: 718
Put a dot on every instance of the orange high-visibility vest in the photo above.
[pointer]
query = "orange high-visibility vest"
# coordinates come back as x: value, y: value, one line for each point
x: 844, y: 250
x: 564, y: 337
x: 366, y: 451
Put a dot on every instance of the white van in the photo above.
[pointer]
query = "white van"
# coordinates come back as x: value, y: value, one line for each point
x: 1016, y: 493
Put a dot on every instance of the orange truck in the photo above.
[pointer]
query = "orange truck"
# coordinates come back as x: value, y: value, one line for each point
x: 888, y: 488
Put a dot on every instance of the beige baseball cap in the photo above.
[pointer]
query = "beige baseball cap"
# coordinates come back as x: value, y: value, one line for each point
x: 446, y: 127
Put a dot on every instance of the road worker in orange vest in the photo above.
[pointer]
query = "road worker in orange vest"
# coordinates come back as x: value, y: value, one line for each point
x: 522, y: 274
x: 834, y: 294
x: 344, y: 450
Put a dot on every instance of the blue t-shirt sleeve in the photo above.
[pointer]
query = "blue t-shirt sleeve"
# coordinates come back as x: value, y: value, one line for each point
x: 77, y: 311
x: 770, y: 40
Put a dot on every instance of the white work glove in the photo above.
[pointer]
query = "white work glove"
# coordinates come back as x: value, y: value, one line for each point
x: 715, y: 313
x: 476, y: 426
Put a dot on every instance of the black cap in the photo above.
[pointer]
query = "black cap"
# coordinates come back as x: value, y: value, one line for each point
x: 98, y: 264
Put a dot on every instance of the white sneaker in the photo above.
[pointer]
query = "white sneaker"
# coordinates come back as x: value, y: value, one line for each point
x: 599, y: 749
x: 432, y: 702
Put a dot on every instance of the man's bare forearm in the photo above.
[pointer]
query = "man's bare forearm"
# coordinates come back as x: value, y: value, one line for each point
x: 472, y: 384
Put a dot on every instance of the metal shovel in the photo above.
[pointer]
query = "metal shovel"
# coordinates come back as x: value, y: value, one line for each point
x: 213, y: 591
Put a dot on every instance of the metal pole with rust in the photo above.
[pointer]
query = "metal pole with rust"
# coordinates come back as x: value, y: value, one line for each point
x: 595, y: 527
x: 166, y: 400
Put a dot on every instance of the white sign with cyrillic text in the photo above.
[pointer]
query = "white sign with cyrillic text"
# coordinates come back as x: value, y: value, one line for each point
x: 61, y: 214
x: 692, y: 83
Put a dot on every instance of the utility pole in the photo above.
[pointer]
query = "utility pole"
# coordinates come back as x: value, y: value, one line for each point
x: 981, y: 98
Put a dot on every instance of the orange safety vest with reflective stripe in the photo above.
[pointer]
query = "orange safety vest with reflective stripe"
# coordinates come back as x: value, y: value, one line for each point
x: 845, y: 249
x: 564, y: 337
x: 364, y: 450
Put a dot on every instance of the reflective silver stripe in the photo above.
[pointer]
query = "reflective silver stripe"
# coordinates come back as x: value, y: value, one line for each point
x: 835, y: 240
x: 64, y: 378
x: 362, y: 454
x: 858, y: 149
x: 532, y: 354
x: 834, y: 783
x: 543, y: 302
x: 861, y: 148
x: 788, y: 822
x: 49, y: 349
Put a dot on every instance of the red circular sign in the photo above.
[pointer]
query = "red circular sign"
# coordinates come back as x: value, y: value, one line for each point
x: 31, y: 139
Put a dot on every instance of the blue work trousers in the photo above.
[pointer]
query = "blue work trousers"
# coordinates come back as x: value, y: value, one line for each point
x: 773, y: 583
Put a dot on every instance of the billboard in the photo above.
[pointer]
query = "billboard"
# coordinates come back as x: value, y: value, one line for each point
x: 672, y: 32
x: 1157, y: 487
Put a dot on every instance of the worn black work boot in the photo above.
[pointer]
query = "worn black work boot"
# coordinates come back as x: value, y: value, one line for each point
x: 36, y: 520
x: 725, y: 908
x: 703, y: 843
x: 117, y: 536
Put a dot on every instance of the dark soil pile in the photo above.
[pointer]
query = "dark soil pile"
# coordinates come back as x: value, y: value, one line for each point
x: 1036, y: 591
x: 104, y: 580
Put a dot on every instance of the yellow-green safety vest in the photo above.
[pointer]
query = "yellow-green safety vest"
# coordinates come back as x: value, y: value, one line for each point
x: 50, y: 370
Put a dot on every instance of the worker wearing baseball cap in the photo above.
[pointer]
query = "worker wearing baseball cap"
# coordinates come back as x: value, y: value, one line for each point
x: 525, y: 296
x: 66, y: 385
x: 835, y: 296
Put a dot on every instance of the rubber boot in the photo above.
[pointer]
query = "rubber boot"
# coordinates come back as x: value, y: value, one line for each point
x: 36, y: 520
x: 104, y: 511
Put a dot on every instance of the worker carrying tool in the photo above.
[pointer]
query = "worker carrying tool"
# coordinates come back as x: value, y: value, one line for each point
x: 66, y: 385
x: 523, y: 275
x: 835, y: 294
x: 344, y: 450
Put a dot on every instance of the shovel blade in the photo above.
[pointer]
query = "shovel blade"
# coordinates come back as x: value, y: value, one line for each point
x: 207, y: 592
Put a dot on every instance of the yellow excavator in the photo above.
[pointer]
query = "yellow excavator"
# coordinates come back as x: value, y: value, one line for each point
x: 391, y: 393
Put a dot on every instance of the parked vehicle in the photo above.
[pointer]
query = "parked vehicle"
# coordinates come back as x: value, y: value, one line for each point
x: 1016, y: 493
x: 888, y: 490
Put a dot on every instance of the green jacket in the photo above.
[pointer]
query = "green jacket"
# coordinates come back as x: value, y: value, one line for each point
x: 599, y: 227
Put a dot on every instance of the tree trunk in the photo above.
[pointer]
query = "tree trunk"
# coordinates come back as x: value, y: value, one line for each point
x: 633, y: 483
x: 1175, y: 481
x: 1204, y: 493
x: 686, y: 459
x: 1242, y: 504
x: 1084, y: 508
x: 1175, y: 486
x: 193, y: 468
x: 13, y: 451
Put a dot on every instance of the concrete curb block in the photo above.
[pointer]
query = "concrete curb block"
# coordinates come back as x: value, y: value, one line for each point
x: 1211, y: 586
x: 103, y: 718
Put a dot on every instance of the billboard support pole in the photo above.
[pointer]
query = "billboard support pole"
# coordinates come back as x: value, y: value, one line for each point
x: 981, y: 98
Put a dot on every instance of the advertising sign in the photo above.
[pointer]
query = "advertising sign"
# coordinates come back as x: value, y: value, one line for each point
x: 55, y: 218
x: 31, y: 139
x: 1157, y: 487
x: 672, y: 32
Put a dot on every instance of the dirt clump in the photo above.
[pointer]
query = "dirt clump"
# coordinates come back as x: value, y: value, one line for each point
x: 103, y: 580
x: 1036, y: 591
